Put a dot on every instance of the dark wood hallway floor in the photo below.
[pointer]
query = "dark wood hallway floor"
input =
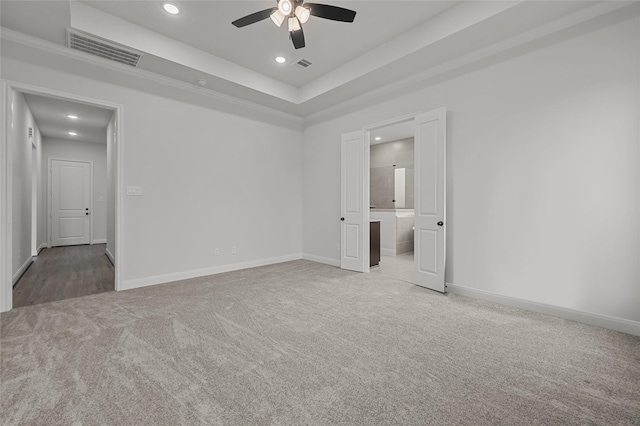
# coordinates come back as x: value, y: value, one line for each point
x: 63, y: 273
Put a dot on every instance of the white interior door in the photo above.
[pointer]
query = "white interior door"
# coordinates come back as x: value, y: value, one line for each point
x: 430, y: 199
x: 70, y: 202
x: 354, y: 205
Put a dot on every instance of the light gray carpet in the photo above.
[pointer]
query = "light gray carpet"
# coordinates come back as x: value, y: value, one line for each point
x: 304, y: 343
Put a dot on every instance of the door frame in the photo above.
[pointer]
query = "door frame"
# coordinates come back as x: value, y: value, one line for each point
x: 7, y: 88
x: 368, y: 129
x: 50, y: 161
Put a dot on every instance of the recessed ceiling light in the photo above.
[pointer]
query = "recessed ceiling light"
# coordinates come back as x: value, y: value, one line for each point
x: 378, y: 138
x: 281, y: 60
x: 171, y: 8
x: 73, y: 133
x: 73, y: 117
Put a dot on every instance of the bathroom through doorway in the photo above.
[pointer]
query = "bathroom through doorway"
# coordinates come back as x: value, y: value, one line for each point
x: 391, y: 198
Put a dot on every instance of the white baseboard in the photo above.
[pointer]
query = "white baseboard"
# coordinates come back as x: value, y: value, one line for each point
x: 99, y: 241
x: 110, y: 255
x: 21, y: 271
x: 320, y: 259
x: 39, y: 249
x: 387, y: 252
x: 605, y: 321
x: 185, y: 275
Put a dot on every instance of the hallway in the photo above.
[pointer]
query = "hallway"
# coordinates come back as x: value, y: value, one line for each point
x: 60, y: 273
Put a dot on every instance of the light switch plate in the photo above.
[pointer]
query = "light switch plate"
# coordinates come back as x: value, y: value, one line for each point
x: 134, y: 190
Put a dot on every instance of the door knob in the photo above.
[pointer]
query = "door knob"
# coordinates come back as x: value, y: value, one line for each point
x: 342, y: 219
x: 440, y: 223
x: 87, y: 213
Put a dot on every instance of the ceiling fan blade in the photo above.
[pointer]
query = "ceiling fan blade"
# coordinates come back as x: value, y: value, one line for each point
x: 297, y: 37
x: 333, y: 13
x: 254, y: 17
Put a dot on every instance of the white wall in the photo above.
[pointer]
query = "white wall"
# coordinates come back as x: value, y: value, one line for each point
x: 38, y: 197
x: 543, y: 171
x: 41, y: 240
x: 84, y: 151
x: 22, y: 159
x: 111, y: 188
x: 209, y: 180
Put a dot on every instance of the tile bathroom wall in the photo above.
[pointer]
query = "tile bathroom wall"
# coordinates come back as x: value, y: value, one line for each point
x: 386, y: 157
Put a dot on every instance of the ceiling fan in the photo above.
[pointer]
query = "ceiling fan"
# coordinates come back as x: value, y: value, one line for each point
x: 297, y: 12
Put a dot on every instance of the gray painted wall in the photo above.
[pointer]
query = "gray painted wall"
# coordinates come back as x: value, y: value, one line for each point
x: 22, y: 158
x: 385, y: 158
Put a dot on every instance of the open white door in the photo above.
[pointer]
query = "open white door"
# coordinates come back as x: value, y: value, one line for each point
x: 70, y: 202
x: 430, y: 199
x: 354, y: 232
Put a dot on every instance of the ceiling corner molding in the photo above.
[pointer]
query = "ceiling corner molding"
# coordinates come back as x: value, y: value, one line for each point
x: 421, y: 80
x: 49, y: 47
x: 108, y: 27
x: 452, y: 21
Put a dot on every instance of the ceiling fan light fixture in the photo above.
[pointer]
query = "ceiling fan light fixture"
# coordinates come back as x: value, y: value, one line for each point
x: 303, y: 14
x: 277, y: 18
x: 297, y: 12
x: 284, y: 6
x: 294, y: 24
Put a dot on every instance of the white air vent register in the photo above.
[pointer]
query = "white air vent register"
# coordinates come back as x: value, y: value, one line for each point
x: 103, y: 48
x: 302, y: 63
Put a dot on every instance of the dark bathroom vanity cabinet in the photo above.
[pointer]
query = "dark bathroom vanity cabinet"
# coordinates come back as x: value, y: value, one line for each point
x: 374, y: 243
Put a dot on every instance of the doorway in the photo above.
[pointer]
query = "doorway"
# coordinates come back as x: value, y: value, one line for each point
x: 429, y: 197
x: 45, y: 108
x: 392, y: 192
